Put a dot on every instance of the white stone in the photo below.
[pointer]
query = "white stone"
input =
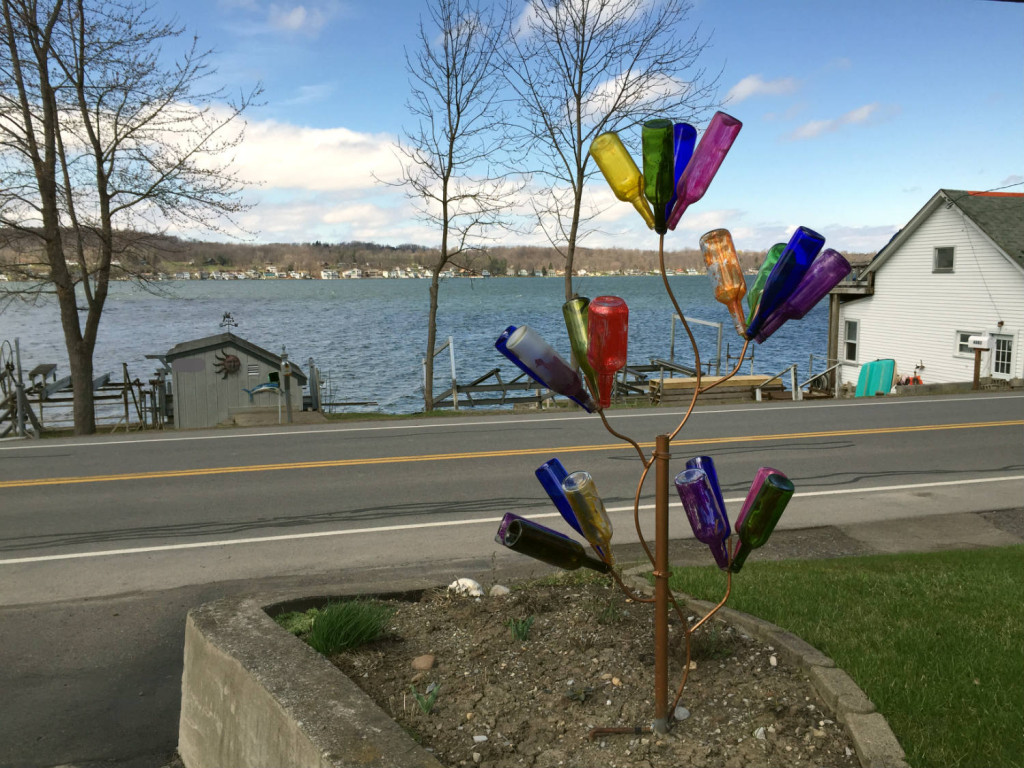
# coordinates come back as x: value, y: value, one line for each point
x: 466, y: 587
x: 499, y: 591
x: 480, y: 738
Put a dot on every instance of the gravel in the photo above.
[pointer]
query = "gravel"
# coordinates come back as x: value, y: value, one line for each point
x: 587, y: 662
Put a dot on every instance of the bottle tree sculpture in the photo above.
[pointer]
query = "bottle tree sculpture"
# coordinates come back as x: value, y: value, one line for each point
x: 792, y: 279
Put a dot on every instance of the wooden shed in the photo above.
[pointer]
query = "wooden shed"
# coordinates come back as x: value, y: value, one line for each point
x: 216, y: 377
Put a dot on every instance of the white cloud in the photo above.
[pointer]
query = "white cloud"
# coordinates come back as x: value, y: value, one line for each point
x: 816, y: 128
x: 285, y: 156
x: 755, y: 85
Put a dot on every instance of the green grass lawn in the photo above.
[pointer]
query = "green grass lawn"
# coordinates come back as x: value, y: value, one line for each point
x: 936, y: 640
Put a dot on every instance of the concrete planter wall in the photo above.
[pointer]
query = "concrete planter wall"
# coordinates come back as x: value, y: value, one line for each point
x: 253, y: 695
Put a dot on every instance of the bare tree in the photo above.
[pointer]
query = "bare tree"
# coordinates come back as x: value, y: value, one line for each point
x: 447, y: 158
x: 103, y: 143
x: 579, y: 68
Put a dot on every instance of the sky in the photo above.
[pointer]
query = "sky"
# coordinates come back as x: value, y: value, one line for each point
x: 854, y: 114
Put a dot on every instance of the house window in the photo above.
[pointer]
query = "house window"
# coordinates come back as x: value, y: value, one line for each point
x: 851, y: 340
x: 943, y: 260
x: 962, y: 347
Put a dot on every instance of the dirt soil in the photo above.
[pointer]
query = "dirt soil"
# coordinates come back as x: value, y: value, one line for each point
x: 587, y: 662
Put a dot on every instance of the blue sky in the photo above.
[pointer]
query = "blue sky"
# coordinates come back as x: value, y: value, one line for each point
x: 854, y: 114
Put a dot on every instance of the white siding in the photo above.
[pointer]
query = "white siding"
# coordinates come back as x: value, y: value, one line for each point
x: 914, y: 314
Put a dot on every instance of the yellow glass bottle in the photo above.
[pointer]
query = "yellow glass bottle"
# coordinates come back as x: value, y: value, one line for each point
x: 621, y: 173
x: 725, y: 273
x: 590, y: 512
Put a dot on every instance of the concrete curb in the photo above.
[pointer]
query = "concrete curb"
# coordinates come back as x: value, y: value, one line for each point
x: 252, y: 695
x: 872, y: 738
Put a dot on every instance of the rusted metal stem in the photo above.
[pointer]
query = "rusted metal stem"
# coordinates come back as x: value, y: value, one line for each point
x: 661, y: 590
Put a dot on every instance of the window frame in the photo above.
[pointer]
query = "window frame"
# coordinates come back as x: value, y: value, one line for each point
x: 957, y: 343
x: 939, y: 270
x: 847, y: 342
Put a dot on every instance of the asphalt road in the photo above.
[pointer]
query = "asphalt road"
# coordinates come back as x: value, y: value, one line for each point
x: 105, y: 543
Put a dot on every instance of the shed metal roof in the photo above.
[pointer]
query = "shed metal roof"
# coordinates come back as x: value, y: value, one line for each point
x: 198, y: 346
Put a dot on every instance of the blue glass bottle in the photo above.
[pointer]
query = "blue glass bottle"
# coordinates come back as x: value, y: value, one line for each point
x: 796, y: 259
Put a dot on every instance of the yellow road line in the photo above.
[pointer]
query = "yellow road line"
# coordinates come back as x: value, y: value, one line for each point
x: 335, y: 463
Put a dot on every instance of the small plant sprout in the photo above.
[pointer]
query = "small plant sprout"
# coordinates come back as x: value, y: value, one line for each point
x: 426, y: 700
x: 521, y: 628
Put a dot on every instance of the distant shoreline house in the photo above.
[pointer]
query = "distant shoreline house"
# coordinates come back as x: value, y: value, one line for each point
x: 955, y: 270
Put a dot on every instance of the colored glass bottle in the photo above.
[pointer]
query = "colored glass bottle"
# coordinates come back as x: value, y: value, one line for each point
x: 547, y: 545
x: 708, y: 465
x: 796, y: 259
x: 608, y: 338
x: 684, y: 136
x: 754, y: 291
x: 706, y: 160
x: 621, y: 173
x: 755, y: 486
x: 764, y: 513
x: 528, y: 350
x: 582, y: 493
x: 725, y: 273
x: 707, y: 518
x: 824, y: 274
x: 551, y: 474
x: 575, y: 312
x: 659, y: 176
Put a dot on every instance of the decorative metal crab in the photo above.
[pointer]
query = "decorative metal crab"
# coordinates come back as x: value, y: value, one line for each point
x: 226, y: 364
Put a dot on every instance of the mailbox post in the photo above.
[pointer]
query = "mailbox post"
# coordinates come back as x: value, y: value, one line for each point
x: 979, y: 344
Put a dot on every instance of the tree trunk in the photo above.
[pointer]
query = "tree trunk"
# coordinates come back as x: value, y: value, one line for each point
x: 428, y: 368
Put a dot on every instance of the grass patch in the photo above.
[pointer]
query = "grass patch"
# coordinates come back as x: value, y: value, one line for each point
x: 935, y: 640
x: 298, y: 622
x: 342, y: 626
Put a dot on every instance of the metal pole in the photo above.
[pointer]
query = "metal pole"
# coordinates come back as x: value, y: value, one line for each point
x: 718, y: 363
x: 19, y: 392
x: 661, y: 459
x: 455, y: 386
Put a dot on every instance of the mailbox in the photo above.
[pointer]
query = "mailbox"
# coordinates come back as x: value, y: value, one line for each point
x: 981, y: 342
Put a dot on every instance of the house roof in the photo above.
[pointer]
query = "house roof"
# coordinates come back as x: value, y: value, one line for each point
x: 1000, y: 215
x: 198, y: 346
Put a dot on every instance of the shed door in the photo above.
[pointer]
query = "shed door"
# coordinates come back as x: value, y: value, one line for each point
x: 1002, y: 356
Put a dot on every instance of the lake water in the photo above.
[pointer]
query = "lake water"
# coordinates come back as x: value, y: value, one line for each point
x: 369, y: 336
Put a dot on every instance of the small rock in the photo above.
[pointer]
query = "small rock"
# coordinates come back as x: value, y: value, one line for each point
x: 760, y: 733
x: 849, y: 752
x: 616, y: 681
x: 817, y: 733
x: 773, y: 660
x: 466, y: 587
x: 693, y: 665
x: 424, y: 662
x: 417, y: 677
x: 499, y: 591
x: 681, y: 713
x: 479, y: 738
x: 477, y: 757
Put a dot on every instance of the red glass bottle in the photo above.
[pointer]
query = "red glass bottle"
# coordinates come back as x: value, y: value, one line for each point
x: 608, y: 331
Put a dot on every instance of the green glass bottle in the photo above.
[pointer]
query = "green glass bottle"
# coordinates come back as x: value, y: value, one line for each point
x: 548, y: 546
x: 659, y: 175
x: 765, y: 511
x: 754, y: 293
x: 575, y: 313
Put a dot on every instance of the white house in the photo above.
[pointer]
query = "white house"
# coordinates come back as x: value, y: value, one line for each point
x: 955, y: 270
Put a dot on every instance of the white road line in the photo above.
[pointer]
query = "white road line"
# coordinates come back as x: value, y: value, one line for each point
x: 451, y: 523
x: 613, y: 416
